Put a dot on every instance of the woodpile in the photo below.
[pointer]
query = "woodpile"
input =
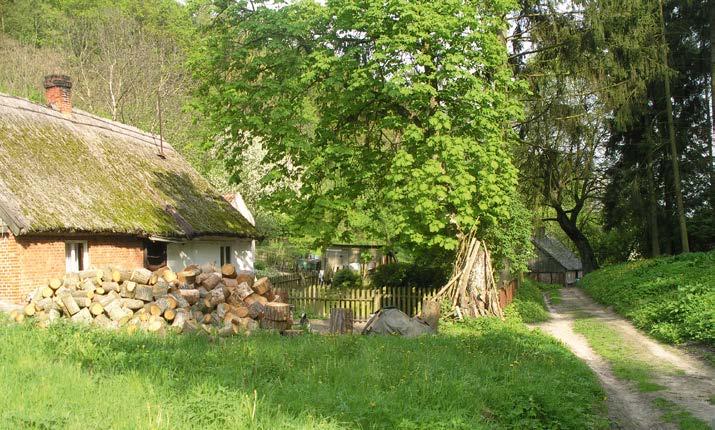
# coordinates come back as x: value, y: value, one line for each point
x: 199, y: 298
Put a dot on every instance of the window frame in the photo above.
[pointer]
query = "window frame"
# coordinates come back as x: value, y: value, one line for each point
x: 225, y: 254
x: 71, y: 247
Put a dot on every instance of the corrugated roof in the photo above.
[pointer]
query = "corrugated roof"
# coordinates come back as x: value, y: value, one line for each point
x: 61, y: 174
x: 558, y: 252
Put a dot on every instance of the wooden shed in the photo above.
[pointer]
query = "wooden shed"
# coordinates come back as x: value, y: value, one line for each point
x: 554, y: 262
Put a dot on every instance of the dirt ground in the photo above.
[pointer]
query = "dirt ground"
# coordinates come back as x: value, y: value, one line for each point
x: 690, y: 385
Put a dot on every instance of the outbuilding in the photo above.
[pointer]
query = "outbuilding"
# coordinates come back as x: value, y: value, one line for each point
x: 554, y: 263
x: 78, y: 191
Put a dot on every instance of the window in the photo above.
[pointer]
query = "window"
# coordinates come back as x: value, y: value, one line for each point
x: 225, y: 255
x: 76, y: 256
x: 154, y: 254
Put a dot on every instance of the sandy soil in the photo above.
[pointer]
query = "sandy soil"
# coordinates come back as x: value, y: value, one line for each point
x: 690, y: 385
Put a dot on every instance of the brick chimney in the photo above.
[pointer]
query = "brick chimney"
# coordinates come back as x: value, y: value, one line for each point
x: 58, y: 93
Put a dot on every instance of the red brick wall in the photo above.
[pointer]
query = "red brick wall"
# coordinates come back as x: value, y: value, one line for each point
x: 27, y: 262
x: 9, y: 267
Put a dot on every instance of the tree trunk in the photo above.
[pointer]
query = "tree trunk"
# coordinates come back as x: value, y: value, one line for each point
x: 585, y: 251
x: 430, y: 313
x: 652, y: 203
x: 671, y: 137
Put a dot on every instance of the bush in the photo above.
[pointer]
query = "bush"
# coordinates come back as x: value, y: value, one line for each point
x: 259, y: 265
x: 672, y: 298
x: 528, y: 305
x: 346, y: 278
x: 408, y: 276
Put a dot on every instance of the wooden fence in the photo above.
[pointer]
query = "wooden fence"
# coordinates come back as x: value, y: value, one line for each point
x: 303, y: 292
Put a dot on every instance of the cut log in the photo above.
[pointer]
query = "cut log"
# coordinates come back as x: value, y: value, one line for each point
x: 208, y: 268
x: 244, y: 290
x: 29, y: 309
x: 277, y: 311
x: 101, y: 320
x: 69, y: 303
x: 46, y: 292
x: 221, y: 310
x: 203, y: 292
x: 255, y: 298
x: 159, y: 291
x: 169, y: 314
x: 341, y: 321
x: 96, y: 309
x: 87, y: 285
x: 106, y: 300
x: 117, y: 313
x: 45, y: 304
x: 169, y: 276
x: 228, y: 329
x: 140, y: 276
x: 267, y: 324
x: 262, y: 286
x: 208, y: 318
x: 246, y: 277
x: 201, y: 277
x: 156, y: 324
x: 84, y: 316
x: 133, y: 304
x: 144, y: 292
x: 83, y: 294
x: 110, y: 286
x: 159, y: 307
x: 83, y: 302
x: 91, y: 273
x: 54, y: 283
x: 215, y: 297
x: 171, y: 301
x: 187, y: 276
x: 70, y: 280
x: 228, y: 270
x: 53, y: 315
x: 230, y: 283
x: 241, y: 311
x: 180, y: 301
x: 211, y: 281
x: 127, y: 289
x: 191, y: 296
x: 255, y: 310
x: 99, y: 290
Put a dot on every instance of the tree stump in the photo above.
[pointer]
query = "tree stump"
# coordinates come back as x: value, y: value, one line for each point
x: 277, y: 311
x: 430, y: 313
x: 341, y: 321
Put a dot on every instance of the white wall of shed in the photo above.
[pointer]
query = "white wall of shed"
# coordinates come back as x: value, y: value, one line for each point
x: 180, y: 255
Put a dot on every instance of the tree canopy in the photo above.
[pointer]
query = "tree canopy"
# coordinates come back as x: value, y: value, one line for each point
x: 401, y: 111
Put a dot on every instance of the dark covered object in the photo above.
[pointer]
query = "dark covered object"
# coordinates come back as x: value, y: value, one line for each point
x: 394, y: 321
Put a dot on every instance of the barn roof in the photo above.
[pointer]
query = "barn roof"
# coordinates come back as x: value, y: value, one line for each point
x: 558, y: 252
x: 84, y: 174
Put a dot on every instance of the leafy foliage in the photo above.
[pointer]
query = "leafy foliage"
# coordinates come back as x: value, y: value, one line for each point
x: 408, y: 275
x: 528, y: 305
x: 346, y: 278
x: 399, y: 111
x: 403, y: 383
x: 671, y: 298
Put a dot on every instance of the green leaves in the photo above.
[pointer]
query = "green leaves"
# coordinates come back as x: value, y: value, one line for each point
x: 405, y: 107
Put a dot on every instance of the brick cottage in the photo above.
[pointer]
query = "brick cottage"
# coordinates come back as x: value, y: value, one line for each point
x: 78, y: 191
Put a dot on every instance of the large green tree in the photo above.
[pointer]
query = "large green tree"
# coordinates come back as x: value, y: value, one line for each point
x: 400, y: 107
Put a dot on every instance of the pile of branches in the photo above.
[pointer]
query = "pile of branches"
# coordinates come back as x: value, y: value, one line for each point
x: 472, y: 290
x: 217, y: 301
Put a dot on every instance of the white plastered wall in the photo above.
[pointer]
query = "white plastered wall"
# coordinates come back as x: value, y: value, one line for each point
x: 199, y: 252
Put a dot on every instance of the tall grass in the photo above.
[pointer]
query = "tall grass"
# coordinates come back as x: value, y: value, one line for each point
x: 477, y: 376
x: 672, y: 298
x: 529, y: 305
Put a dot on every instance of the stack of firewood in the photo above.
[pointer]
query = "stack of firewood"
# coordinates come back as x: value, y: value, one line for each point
x: 220, y: 301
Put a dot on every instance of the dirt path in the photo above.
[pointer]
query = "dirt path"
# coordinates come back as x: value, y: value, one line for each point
x: 690, y: 385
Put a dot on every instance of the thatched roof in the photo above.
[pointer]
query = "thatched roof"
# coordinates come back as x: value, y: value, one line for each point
x: 558, y: 252
x: 85, y: 174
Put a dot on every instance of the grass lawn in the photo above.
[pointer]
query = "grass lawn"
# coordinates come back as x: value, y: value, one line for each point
x: 528, y: 305
x: 672, y: 298
x: 477, y: 375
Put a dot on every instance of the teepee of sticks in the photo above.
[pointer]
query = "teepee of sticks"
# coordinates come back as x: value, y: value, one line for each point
x: 472, y: 289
